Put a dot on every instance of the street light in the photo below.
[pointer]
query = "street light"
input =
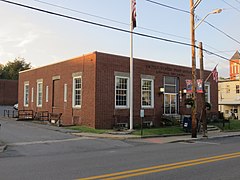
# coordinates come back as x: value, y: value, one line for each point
x: 216, y: 11
x: 192, y: 29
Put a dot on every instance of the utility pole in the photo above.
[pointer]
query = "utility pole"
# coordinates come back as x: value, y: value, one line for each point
x: 194, y: 108
x: 203, y: 109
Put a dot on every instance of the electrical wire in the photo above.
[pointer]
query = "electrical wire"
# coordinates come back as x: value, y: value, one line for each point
x: 108, y: 19
x: 100, y: 17
x: 111, y: 27
x: 222, y: 32
x: 231, y: 6
x: 181, y: 10
x: 167, y: 6
x: 237, y: 1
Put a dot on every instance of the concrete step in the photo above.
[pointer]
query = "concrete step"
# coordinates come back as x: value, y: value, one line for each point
x: 212, y: 128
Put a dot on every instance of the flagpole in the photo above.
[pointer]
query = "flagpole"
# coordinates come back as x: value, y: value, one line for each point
x: 131, y: 69
x: 210, y: 74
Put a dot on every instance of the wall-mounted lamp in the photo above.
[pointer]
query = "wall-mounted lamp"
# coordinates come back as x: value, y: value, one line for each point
x: 184, y: 91
x: 161, y: 90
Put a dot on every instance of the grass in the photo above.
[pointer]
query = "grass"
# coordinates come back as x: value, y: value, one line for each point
x: 146, y: 132
x: 234, y: 125
x: 160, y: 131
x: 86, y: 129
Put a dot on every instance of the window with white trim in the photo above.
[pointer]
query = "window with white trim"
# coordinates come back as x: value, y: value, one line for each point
x: 121, y: 92
x: 147, y: 93
x: 77, y: 91
x: 39, y: 93
x: 26, y: 94
x: 32, y: 96
x: 46, y: 93
x: 207, y: 92
x: 65, y: 93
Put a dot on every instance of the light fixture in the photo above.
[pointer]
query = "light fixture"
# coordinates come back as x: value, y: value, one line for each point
x: 184, y: 91
x: 161, y: 90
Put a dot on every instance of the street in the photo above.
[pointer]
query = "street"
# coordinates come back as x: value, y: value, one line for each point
x: 38, y: 151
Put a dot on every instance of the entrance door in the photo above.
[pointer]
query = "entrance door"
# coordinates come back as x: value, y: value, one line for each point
x: 170, y: 104
x: 56, y: 95
x: 171, y: 95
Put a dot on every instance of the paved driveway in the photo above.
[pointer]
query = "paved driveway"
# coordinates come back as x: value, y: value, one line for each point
x: 13, y: 131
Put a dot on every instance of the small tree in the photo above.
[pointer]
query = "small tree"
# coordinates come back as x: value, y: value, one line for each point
x: 11, y: 69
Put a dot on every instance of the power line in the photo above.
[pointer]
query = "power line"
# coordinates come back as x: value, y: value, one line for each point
x: 237, y: 1
x: 100, y: 17
x: 94, y: 23
x: 222, y: 32
x: 108, y: 19
x: 232, y: 6
x: 81, y: 12
x: 181, y: 10
x: 167, y: 6
x: 109, y: 27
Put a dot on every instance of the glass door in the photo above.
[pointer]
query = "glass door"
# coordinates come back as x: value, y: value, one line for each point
x: 170, y: 95
x: 170, y: 104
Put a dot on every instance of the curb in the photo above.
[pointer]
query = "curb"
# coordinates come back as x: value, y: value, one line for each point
x: 203, y: 138
x: 3, y: 148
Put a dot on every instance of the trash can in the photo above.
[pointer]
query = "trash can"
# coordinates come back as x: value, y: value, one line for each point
x: 187, y: 124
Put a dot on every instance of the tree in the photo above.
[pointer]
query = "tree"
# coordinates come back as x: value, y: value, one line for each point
x: 11, y: 69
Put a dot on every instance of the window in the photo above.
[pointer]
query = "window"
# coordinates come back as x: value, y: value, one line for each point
x: 237, y: 89
x: 207, y: 92
x: 39, y: 93
x: 147, y: 93
x: 46, y: 93
x: 170, y: 95
x: 227, y: 88
x: 77, y: 91
x: 32, y: 95
x: 65, y: 93
x: 26, y: 94
x: 121, y: 92
x: 235, y: 68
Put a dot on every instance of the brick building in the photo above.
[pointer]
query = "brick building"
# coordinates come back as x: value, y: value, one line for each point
x: 91, y: 89
x: 8, y: 92
x: 234, y: 66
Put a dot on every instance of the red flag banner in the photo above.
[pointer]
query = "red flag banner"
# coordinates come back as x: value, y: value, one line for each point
x: 215, y: 74
x: 189, y: 86
x: 199, y: 86
x: 134, y: 14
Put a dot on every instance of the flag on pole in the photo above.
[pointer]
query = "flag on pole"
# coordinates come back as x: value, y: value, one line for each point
x: 215, y: 74
x: 133, y: 14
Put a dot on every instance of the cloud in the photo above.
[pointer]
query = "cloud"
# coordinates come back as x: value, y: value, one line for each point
x: 29, y: 38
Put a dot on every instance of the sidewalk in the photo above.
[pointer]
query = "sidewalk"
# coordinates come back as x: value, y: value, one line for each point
x: 127, y: 136
x: 2, y: 146
x: 161, y: 139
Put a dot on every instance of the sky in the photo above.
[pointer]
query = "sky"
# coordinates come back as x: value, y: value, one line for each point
x: 44, y: 39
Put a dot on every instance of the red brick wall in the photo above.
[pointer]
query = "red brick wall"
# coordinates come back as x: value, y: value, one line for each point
x: 8, y: 92
x: 98, y: 98
x: 86, y: 65
x: 105, y: 86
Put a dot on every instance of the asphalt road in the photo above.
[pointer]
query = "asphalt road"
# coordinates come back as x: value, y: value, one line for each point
x: 45, y: 152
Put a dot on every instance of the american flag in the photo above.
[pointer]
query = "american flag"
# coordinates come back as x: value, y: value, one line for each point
x: 215, y: 74
x: 134, y: 14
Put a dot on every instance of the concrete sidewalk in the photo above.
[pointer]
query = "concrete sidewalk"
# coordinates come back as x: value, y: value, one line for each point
x: 128, y: 136
x: 163, y: 138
